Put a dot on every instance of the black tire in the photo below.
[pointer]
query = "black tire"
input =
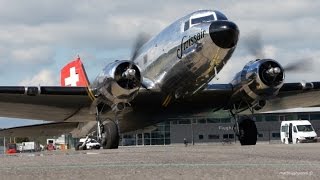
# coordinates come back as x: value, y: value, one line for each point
x: 247, y: 132
x: 110, y: 138
x: 77, y: 148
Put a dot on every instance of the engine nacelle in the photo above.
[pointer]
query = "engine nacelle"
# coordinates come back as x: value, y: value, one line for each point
x: 259, y: 80
x: 118, y: 83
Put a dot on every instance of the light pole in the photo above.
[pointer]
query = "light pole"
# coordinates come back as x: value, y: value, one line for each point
x: 192, y: 132
x: 4, y: 145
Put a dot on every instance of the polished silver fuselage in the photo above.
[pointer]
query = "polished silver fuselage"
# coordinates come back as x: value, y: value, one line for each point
x: 169, y: 63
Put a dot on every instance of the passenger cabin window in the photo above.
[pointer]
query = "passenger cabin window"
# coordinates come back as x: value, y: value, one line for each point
x: 186, y: 25
x: 202, y: 19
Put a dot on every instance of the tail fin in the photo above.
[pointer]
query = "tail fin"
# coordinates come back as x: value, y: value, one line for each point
x: 74, y: 74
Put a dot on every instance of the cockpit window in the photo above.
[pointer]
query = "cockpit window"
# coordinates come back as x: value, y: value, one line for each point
x: 202, y: 19
x: 220, y: 16
x: 186, y: 25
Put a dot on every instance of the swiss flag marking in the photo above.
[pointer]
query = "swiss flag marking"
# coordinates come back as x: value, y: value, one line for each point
x: 72, y: 79
x: 73, y: 74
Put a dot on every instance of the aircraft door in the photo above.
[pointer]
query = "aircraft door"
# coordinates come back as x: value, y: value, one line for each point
x: 290, y: 133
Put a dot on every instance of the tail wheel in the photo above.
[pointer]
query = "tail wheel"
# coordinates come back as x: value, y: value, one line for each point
x: 110, y: 137
x: 248, y: 132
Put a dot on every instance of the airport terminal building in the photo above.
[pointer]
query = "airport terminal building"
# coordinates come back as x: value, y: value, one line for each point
x: 214, y: 128
x: 218, y: 127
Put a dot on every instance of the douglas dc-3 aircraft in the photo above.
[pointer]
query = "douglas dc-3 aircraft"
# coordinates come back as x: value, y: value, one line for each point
x: 167, y: 76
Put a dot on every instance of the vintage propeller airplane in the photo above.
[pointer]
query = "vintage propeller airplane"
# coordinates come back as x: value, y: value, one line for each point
x: 166, y: 76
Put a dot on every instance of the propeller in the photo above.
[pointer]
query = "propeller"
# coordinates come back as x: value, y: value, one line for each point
x: 255, y: 47
x: 301, y: 65
x: 139, y: 42
x: 130, y: 73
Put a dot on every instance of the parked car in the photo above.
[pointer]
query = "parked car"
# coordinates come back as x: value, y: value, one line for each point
x: 90, y: 144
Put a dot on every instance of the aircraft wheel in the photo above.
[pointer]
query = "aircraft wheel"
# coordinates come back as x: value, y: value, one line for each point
x: 297, y: 141
x: 77, y: 148
x: 110, y: 137
x: 247, y: 132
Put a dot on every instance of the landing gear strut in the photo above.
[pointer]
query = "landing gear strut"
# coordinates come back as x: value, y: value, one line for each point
x: 107, y: 131
x: 245, y: 128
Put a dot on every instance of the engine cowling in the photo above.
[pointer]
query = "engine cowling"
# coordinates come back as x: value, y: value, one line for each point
x: 118, y: 83
x: 258, y: 81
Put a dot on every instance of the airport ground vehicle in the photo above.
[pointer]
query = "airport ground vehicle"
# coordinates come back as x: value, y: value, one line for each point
x: 51, y: 144
x: 298, y: 131
x: 29, y: 147
x: 89, y: 144
x: 11, y: 148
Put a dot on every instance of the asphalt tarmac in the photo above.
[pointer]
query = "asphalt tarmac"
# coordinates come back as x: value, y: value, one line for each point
x: 263, y: 161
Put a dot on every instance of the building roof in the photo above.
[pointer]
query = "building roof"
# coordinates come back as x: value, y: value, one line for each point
x: 293, y: 110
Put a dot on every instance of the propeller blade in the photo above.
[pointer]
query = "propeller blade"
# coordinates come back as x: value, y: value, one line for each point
x: 140, y: 41
x: 254, y: 45
x: 301, y: 65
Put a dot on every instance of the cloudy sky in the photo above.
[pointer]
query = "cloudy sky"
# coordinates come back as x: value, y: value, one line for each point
x: 38, y: 37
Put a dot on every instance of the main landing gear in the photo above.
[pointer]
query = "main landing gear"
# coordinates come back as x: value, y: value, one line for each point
x: 107, y: 130
x: 245, y: 128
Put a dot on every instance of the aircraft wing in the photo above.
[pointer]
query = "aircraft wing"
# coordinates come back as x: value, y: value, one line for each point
x: 40, y: 130
x: 72, y: 104
x: 293, y: 95
x: 69, y: 107
x: 43, y: 103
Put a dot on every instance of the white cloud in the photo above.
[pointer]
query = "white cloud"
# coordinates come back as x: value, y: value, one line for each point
x: 32, y: 55
x: 43, y: 78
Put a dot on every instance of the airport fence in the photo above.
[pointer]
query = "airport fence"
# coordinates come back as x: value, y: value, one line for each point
x: 2, y: 145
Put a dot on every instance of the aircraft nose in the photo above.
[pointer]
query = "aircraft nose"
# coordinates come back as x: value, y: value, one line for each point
x: 224, y: 34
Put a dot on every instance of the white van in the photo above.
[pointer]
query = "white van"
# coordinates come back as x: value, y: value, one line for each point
x: 298, y: 131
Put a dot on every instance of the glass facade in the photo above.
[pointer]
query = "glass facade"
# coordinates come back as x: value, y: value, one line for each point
x: 271, y: 118
x: 217, y: 127
x: 315, y: 116
x: 303, y: 116
x: 158, y: 136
